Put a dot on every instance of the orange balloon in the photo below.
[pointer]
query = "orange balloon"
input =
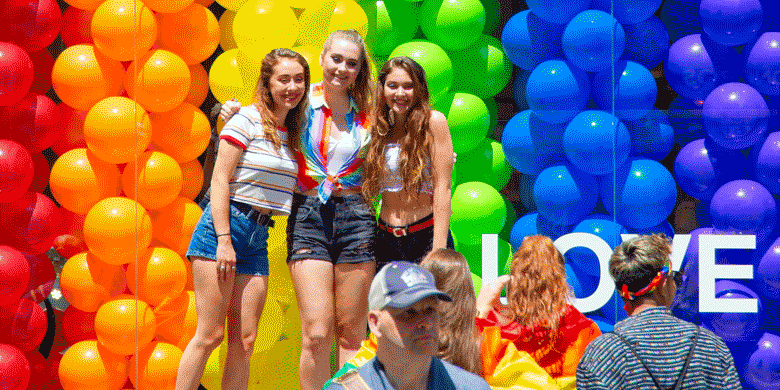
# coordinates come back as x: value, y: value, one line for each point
x: 87, y: 5
x: 157, y: 364
x: 86, y: 282
x: 160, y: 273
x: 199, y: 85
x: 190, y: 286
x: 117, y: 228
x: 161, y: 83
x: 183, y: 133
x: 204, y: 3
x: 89, y: 365
x: 174, y: 224
x: 193, y: 179
x: 193, y: 33
x: 79, y: 179
x: 124, y: 325
x: 116, y: 129
x: 226, y: 39
x: 73, y: 135
x: 154, y: 180
x: 82, y: 76
x: 176, y: 319
x: 124, y: 29
x: 168, y: 6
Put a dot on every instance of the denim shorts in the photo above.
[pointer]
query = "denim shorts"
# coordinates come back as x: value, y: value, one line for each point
x: 412, y: 247
x: 340, y: 231
x: 250, y: 240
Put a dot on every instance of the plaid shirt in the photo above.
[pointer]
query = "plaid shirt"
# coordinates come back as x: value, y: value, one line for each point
x: 663, y: 342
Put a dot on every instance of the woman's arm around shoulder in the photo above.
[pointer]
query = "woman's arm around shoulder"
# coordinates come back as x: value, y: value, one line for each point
x: 442, y: 172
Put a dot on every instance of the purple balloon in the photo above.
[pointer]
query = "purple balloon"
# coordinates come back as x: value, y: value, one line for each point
x: 764, y: 364
x: 647, y: 42
x: 702, y: 167
x: 771, y: 7
x: 703, y: 214
x: 766, y: 156
x: 697, y: 64
x: 762, y: 63
x: 735, y: 115
x: 686, y: 301
x: 734, y: 327
x: 768, y: 272
x: 652, y: 136
x: 679, y: 27
x: 743, y: 207
x: 731, y: 22
x: 685, y: 117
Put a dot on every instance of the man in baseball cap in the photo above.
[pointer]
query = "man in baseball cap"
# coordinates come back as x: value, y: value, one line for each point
x: 403, y: 315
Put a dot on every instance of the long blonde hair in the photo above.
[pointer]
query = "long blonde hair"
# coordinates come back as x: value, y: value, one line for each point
x: 459, y: 341
x: 416, y: 143
x: 361, y: 90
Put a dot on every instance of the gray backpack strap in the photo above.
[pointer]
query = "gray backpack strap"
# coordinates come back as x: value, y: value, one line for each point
x: 351, y: 380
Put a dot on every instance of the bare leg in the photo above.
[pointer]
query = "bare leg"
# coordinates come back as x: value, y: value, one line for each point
x: 313, y: 281
x: 352, y: 282
x: 212, y: 299
x: 243, y: 316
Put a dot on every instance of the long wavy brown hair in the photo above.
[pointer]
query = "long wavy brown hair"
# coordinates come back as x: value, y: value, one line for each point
x: 459, y: 341
x: 264, y: 102
x: 416, y: 140
x: 361, y: 90
x: 538, y: 292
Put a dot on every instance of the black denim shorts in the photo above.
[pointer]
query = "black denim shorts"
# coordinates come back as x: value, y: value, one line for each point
x: 412, y: 247
x: 340, y: 231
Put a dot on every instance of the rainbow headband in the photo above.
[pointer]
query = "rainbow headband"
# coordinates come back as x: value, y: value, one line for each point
x: 623, y: 291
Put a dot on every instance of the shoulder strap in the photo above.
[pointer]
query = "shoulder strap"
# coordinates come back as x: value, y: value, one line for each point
x: 678, y: 384
x: 631, y: 347
x: 351, y: 380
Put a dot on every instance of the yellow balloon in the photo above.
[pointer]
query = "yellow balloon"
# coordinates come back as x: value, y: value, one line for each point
x: 234, y: 75
x: 212, y: 375
x: 226, y: 39
x: 232, y: 5
x: 312, y: 56
x: 328, y: 16
x: 302, y: 4
x: 263, y: 25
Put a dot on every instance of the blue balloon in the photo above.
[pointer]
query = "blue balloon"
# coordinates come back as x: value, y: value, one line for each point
x: 686, y: 301
x: 701, y: 167
x: 766, y: 156
x: 526, y: 190
x: 647, y: 42
x: 768, y: 272
x: 603, y: 227
x: 557, y: 91
x: 627, y: 11
x: 677, y: 26
x: 743, y: 207
x: 593, y: 40
x: 628, y: 89
x: 734, y: 327
x: 685, y: 117
x: 697, y: 64
x: 531, y: 144
x: 596, y: 142
x: 762, y: 63
x: 703, y: 214
x: 533, y: 223
x: 771, y: 7
x: 604, y: 324
x: 557, y: 11
x: 529, y: 40
x: 665, y: 227
x: 582, y: 285
x: 731, y: 22
x: 642, y: 192
x: 762, y: 367
x: 652, y: 136
x: 735, y: 115
x: 564, y: 195
x: 518, y: 89
x: 614, y: 309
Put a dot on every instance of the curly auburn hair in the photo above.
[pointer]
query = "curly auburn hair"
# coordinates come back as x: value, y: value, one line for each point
x: 264, y: 102
x: 459, y: 341
x: 364, y: 83
x: 416, y: 139
x: 537, y: 291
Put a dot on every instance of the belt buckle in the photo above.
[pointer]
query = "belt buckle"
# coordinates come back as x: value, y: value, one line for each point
x: 265, y: 220
x: 399, y: 232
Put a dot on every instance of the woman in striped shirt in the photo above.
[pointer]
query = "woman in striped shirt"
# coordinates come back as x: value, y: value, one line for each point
x: 254, y: 176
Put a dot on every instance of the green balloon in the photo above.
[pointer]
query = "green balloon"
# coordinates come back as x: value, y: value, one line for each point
x: 482, y: 69
x: 511, y: 218
x: 505, y: 256
x: 434, y: 60
x: 477, y: 282
x: 490, y: 103
x: 468, y: 118
x: 473, y: 254
x: 492, y: 16
x: 452, y: 24
x: 486, y: 163
x: 477, y: 208
x: 394, y: 22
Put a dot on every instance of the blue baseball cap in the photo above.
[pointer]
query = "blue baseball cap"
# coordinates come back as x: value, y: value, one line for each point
x: 401, y: 284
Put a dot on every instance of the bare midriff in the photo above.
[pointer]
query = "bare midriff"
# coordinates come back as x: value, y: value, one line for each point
x: 396, y: 211
x: 313, y: 192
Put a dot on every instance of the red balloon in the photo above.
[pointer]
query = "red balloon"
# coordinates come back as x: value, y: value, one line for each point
x: 40, y: 370
x: 35, y: 122
x: 71, y: 241
x: 31, y: 24
x: 78, y: 325
x: 42, y: 276
x: 42, y: 172
x: 24, y: 323
x: 16, y: 73
x: 54, y: 378
x: 76, y: 26
x: 15, y: 274
x: 43, y: 63
x: 16, y: 170
x: 72, y: 135
x: 14, y: 368
x: 31, y: 223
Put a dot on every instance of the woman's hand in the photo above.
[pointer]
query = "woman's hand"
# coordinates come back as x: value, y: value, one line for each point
x: 229, y: 108
x: 226, y: 258
x: 489, y: 295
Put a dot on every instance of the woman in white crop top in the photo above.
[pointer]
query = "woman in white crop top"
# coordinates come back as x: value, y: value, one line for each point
x: 409, y: 163
x: 254, y: 175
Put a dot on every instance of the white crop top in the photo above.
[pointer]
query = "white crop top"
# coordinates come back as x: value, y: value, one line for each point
x: 340, y: 150
x: 392, y: 180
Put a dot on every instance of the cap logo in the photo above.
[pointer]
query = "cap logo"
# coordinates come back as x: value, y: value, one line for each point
x: 413, y: 277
